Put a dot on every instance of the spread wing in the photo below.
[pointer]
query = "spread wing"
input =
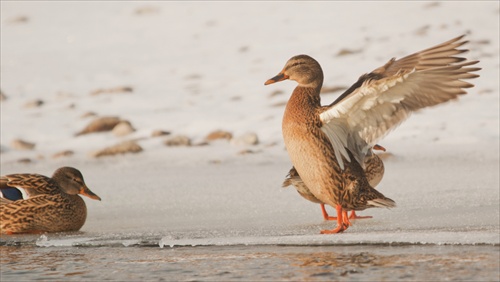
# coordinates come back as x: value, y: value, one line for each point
x: 384, y: 98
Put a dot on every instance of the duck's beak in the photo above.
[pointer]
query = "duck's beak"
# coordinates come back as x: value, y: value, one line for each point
x: 378, y: 147
x: 86, y: 192
x: 280, y: 77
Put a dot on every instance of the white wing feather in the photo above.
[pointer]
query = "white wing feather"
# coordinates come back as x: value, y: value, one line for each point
x: 365, y: 116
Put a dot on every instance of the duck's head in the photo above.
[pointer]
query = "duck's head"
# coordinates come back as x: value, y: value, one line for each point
x: 71, y: 181
x: 303, y: 69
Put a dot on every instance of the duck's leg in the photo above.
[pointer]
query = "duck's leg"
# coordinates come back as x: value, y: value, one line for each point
x: 352, y: 216
x: 341, y: 223
x: 345, y: 218
x: 325, y: 214
x: 355, y: 216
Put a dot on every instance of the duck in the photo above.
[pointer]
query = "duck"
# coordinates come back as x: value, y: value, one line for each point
x: 328, y: 145
x: 34, y: 203
x: 374, y: 171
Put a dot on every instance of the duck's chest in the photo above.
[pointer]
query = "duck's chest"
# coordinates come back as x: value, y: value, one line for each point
x: 301, y: 125
x: 302, y: 132
x: 309, y: 148
x: 68, y: 213
x: 306, y: 144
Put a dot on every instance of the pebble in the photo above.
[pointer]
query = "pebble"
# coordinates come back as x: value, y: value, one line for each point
x: 219, y: 134
x: 121, y: 148
x: 179, y: 140
x: 345, y: 51
x: 65, y: 153
x: 99, y: 125
x: 34, y: 104
x: 88, y: 114
x: 18, y: 20
x: 279, y: 104
x: 113, y: 90
x: 276, y: 93
x: 24, y: 161
x: 246, y: 152
x: 157, y: 133
x: 19, y: 144
x: 249, y: 138
x: 123, y: 128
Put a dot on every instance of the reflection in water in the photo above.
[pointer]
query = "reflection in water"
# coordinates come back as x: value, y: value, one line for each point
x: 407, y: 265
x: 306, y: 263
x: 40, y: 262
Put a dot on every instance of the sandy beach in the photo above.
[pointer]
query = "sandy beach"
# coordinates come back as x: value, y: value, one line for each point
x: 178, y: 205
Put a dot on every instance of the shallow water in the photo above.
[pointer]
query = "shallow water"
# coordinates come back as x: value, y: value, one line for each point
x: 256, y: 262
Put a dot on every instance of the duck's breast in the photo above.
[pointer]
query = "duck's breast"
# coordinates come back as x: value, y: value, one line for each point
x: 69, y: 214
x: 311, y: 152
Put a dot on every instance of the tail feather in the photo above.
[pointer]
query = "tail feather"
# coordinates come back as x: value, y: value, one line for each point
x: 382, y: 203
x: 292, y: 178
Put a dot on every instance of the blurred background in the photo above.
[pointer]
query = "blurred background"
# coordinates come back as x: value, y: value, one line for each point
x: 188, y: 69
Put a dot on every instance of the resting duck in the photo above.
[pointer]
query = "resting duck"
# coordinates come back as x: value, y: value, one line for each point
x: 374, y: 172
x: 51, y: 205
x: 328, y: 145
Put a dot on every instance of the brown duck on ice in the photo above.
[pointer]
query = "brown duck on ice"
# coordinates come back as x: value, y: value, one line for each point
x: 328, y: 145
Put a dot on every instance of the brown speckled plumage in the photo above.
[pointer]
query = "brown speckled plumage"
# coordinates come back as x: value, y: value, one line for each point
x: 52, y: 205
x: 311, y: 151
x: 328, y: 145
x: 374, y: 171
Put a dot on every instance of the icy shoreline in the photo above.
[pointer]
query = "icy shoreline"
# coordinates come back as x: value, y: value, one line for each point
x: 193, y: 72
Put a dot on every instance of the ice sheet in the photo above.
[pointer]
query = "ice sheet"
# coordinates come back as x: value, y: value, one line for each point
x: 196, y: 67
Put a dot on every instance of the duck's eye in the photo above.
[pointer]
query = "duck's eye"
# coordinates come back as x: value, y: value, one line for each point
x: 77, y: 180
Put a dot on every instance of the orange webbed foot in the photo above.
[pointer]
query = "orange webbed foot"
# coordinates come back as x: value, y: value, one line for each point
x: 340, y: 228
x: 342, y: 222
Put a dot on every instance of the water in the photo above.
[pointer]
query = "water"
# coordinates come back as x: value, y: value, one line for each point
x: 254, y: 262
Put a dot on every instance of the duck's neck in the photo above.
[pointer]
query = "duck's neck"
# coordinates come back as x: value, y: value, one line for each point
x: 307, y: 96
x: 302, y: 107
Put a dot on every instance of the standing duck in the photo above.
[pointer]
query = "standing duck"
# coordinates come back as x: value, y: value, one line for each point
x: 52, y: 204
x: 374, y: 172
x: 328, y: 145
